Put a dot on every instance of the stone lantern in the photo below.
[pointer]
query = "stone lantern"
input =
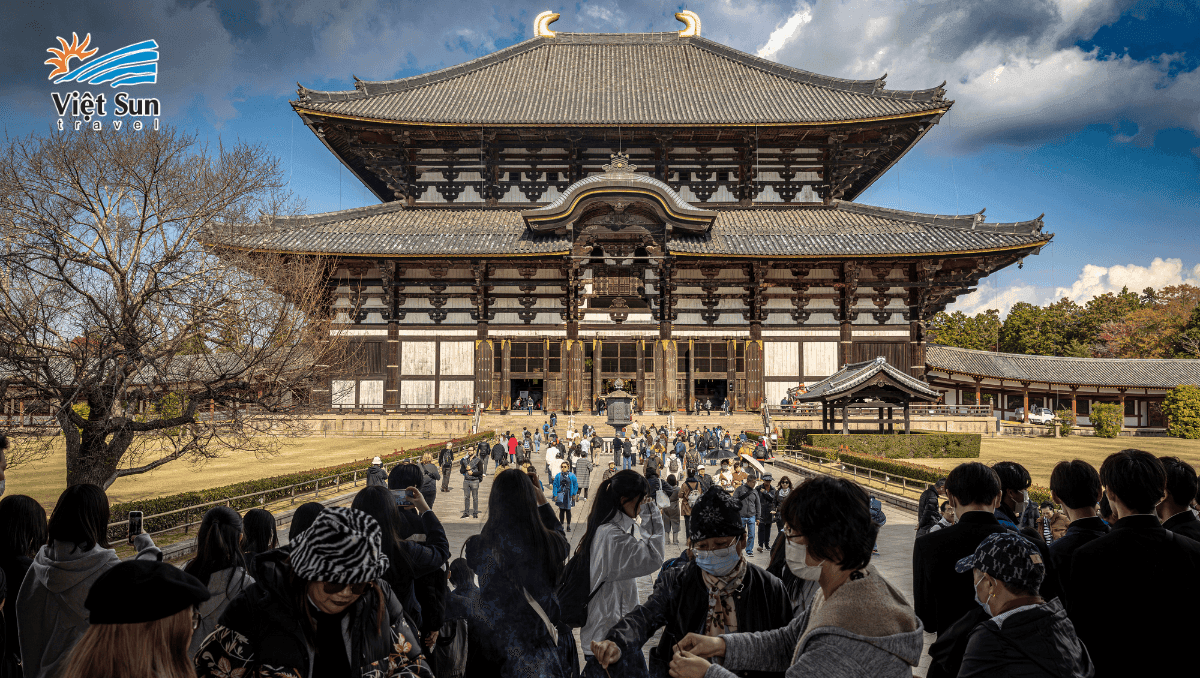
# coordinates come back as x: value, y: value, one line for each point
x: 620, y: 407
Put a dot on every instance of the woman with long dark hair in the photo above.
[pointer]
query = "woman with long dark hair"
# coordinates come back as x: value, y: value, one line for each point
x: 322, y: 610
x: 419, y: 525
x: 50, y: 607
x: 219, y: 565
x: 518, y: 556
x: 22, y: 533
x: 619, y: 552
x: 377, y: 501
x: 259, y: 528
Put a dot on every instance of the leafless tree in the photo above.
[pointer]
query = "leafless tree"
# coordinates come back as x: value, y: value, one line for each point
x: 147, y: 343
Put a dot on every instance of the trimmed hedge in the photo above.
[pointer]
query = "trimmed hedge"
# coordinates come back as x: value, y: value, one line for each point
x: 1107, y: 419
x: 306, y: 480
x: 906, y: 469
x: 931, y: 445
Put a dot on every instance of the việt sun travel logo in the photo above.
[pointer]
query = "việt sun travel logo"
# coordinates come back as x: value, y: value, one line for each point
x: 135, y: 64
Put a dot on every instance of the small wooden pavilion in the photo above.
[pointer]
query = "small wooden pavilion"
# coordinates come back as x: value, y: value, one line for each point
x: 869, y: 384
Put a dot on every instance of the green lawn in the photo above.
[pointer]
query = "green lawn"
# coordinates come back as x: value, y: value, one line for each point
x: 1039, y: 455
x: 46, y: 479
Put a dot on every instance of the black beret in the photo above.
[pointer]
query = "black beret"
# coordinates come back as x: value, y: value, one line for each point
x: 138, y: 591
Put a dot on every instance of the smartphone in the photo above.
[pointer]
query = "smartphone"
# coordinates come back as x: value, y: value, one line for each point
x: 403, y: 497
x: 135, y: 524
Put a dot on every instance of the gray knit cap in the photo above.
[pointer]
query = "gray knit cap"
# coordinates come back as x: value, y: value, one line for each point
x: 342, y: 546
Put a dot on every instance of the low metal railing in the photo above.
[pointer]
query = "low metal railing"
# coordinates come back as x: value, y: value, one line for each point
x: 834, y: 466
x: 330, y: 484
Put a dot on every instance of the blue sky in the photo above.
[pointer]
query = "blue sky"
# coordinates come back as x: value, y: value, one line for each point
x: 1086, y: 110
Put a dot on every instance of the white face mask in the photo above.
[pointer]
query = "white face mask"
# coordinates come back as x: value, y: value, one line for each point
x: 797, y: 561
x: 1019, y: 507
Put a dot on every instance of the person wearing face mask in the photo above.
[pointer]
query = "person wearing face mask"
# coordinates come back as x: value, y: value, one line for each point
x: 716, y: 590
x: 857, y: 626
x: 326, y: 611
x: 1015, y: 512
x: 1024, y: 635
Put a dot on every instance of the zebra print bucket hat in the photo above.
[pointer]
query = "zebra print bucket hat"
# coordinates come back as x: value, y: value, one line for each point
x: 343, y: 546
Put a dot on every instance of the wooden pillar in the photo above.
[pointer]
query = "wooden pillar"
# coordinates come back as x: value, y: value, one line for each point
x: 1074, y: 410
x: 691, y: 375
x: 881, y: 420
x: 824, y: 417
x: 916, y: 348
x: 666, y: 381
x: 845, y: 345
x: 731, y: 375
x: 978, y: 395
x: 907, y: 421
x: 596, y: 346
x: 1121, y: 399
x: 505, y: 374
x: 1025, y: 409
x: 484, y: 368
x: 641, y: 374
x: 846, y: 416
x: 755, y: 386
x: 891, y: 428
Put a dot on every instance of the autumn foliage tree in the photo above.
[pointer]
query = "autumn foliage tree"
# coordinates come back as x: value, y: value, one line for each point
x: 115, y: 310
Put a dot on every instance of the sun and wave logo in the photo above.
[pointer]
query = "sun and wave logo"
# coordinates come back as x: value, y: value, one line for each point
x: 76, y: 62
x: 135, y: 64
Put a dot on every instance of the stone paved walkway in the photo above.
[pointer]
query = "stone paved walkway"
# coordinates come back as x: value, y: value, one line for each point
x: 894, y: 560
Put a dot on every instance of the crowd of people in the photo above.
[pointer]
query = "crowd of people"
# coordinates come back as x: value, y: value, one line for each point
x: 1010, y: 587
x: 1016, y: 588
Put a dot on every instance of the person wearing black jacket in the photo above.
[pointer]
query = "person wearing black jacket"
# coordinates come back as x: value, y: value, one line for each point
x: 1076, y: 486
x: 1173, y: 510
x: 1159, y: 568
x: 1024, y: 635
x: 1013, y: 513
x: 681, y: 602
x: 500, y: 453
x: 320, y: 610
x: 928, y: 512
x: 446, y: 461
x: 420, y: 524
x: 768, y: 501
x: 22, y: 532
x: 940, y: 595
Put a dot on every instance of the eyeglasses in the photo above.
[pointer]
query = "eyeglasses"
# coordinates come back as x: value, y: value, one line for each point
x: 719, y: 546
x: 333, y: 588
x: 791, y: 536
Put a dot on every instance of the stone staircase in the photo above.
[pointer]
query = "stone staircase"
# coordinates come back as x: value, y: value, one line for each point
x: 515, y: 421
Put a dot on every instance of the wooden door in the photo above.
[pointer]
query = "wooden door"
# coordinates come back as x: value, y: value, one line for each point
x: 483, y: 372
x: 737, y: 396
x: 666, y: 381
x: 754, y: 374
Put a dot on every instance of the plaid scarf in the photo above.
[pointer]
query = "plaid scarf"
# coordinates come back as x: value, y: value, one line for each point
x: 722, y: 609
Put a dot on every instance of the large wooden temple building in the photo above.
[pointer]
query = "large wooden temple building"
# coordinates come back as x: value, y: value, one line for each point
x: 653, y: 207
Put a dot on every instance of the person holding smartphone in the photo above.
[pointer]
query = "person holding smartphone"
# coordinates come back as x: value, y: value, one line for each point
x: 324, y: 611
x: 472, y: 469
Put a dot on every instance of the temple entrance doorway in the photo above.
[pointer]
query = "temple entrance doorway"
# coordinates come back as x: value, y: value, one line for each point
x: 714, y: 389
x: 526, y: 387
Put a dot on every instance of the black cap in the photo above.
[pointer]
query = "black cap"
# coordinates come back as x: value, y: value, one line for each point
x: 1009, y: 557
x: 138, y: 591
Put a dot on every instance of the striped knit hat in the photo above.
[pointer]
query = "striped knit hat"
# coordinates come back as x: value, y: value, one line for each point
x: 343, y: 546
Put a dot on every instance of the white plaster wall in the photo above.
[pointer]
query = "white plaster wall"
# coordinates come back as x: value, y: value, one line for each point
x: 776, y: 391
x: 416, y: 358
x: 820, y: 358
x: 416, y: 392
x: 343, y: 393
x: 456, y: 392
x: 781, y: 359
x: 458, y: 357
x: 370, y: 393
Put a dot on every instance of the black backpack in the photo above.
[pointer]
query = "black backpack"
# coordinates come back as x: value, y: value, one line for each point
x: 574, y: 590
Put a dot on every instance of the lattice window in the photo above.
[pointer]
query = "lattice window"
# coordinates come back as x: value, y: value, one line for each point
x: 615, y: 283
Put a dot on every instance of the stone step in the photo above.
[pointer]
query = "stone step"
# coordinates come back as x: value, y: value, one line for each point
x: 741, y: 421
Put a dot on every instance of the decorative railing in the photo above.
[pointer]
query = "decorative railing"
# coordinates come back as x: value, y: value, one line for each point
x: 916, y: 410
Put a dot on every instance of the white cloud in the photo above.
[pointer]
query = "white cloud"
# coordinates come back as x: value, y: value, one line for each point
x: 1013, y: 68
x: 1093, y: 281
x: 1097, y: 280
x: 780, y: 36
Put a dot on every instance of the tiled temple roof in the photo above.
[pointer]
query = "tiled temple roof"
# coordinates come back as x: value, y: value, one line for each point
x: 581, y: 79
x: 841, y: 229
x: 1156, y: 373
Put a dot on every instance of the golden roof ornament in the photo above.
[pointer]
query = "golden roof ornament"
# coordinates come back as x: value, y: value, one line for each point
x: 541, y: 24
x: 619, y: 164
x: 691, y: 23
